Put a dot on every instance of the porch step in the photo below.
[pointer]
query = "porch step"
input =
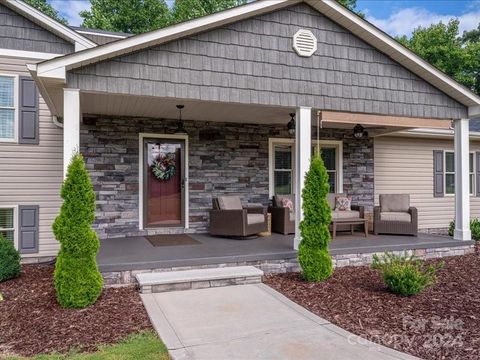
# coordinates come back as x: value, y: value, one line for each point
x: 198, y: 278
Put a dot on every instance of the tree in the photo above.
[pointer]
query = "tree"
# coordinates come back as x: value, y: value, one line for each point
x: 352, y: 5
x: 313, y: 254
x: 441, y: 45
x: 78, y: 281
x: 129, y: 16
x: 183, y: 10
x: 47, y: 9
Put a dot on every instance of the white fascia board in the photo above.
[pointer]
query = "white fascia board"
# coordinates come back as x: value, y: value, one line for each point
x: 101, y: 34
x: 393, y: 48
x: 34, y: 55
x: 161, y: 36
x: 45, y: 21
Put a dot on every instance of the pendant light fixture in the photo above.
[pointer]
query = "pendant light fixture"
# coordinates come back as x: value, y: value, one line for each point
x: 291, y: 124
x: 180, y: 129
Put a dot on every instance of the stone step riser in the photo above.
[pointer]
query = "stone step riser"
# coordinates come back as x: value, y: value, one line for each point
x: 149, y: 289
x: 198, y: 279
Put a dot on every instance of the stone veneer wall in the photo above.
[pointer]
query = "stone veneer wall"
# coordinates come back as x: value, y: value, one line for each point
x: 224, y: 158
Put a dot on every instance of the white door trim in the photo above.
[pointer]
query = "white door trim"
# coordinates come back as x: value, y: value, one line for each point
x: 140, y: 173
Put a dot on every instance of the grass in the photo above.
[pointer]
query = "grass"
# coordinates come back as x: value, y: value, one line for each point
x: 144, y: 345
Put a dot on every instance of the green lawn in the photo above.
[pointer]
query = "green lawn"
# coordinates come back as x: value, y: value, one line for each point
x: 144, y: 345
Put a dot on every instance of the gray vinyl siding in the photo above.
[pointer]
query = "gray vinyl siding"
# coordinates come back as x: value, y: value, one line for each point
x: 252, y: 61
x: 33, y: 174
x: 19, y: 33
x: 100, y: 39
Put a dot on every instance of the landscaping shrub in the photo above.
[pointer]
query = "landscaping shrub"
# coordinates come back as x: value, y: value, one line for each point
x: 313, y: 254
x: 9, y: 260
x: 405, y: 275
x: 474, y: 228
x: 77, y: 280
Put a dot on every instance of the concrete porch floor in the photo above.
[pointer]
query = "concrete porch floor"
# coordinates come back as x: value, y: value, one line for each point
x: 136, y: 253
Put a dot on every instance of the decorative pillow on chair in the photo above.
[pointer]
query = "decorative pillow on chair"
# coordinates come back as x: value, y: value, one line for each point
x: 287, y: 203
x: 343, y: 203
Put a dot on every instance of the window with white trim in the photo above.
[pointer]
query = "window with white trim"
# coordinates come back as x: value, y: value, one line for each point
x: 8, y: 111
x: 7, y: 223
x: 283, y: 169
x: 450, y: 173
x: 282, y: 164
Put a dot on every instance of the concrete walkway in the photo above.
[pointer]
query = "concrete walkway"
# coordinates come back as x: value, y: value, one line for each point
x: 248, y: 322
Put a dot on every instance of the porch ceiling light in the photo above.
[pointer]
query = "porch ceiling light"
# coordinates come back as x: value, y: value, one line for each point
x: 291, y: 124
x: 180, y: 129
x: 359, y: 131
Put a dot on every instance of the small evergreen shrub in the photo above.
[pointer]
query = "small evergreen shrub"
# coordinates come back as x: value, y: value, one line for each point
x: 313, y: 254
x: 474, y: 228
x: 405, y: 275
x: 9, y: 260
x: 78, y: 282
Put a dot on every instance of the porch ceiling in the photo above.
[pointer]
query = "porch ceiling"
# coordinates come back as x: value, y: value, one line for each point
x: 165, y: 108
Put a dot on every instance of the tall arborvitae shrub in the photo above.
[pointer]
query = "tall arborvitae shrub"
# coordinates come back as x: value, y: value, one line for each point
x: 78, y: 281
x: 313, y: 254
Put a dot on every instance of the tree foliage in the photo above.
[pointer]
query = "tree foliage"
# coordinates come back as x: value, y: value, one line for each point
x: 183, y: 10
x: 9, y: 260
x: 77, y: 280
x: 442, y: 46
x: 129, y: 16
x: 47, y: 9
x: 351, y: 5
x: 313, y: 254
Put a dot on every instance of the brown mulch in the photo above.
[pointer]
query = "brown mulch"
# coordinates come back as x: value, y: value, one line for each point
x: 31, y: 321
x: 443, y: 322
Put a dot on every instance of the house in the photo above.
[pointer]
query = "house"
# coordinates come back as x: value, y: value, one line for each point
x: 213, y: 97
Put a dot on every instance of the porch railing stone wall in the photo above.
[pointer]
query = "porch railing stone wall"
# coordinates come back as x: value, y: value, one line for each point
x: 224, y: 158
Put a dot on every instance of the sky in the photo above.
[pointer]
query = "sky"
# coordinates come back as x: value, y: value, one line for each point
x: 396, y: 17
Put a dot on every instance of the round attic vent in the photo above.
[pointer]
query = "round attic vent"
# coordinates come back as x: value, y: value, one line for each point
x: 304, y: 43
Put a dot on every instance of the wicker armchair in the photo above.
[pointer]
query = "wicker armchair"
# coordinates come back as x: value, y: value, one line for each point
x: 283, y: 219
x: 395, y: 215
x: 229, y: 218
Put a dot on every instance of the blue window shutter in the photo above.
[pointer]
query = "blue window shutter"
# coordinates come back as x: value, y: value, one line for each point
x: 28, y: 111
x: 28, y: 216
x: 438, y: 174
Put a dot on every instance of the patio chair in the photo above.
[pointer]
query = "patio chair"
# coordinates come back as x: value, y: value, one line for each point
x: 229, y: 218
x: 283, y: 218
x: 395, y: 215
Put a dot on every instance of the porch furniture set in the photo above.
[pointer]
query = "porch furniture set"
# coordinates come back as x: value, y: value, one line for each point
x: 394, y: 215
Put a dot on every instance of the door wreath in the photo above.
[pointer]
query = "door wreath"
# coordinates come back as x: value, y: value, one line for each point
x: 164, y: 166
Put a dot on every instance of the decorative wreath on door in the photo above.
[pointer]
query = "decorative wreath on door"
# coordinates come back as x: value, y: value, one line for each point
x: 164, y: 166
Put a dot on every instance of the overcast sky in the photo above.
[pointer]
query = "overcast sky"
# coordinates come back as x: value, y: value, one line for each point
x: 396, y: 17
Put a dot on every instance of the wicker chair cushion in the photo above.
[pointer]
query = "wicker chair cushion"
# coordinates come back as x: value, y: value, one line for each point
x: 352, y: 214
x: 394, y: 202
x: 278, y: 200
x: 255, y: 219
x: 229, y: 203
x: 331, y: 199
x: 396, y: 216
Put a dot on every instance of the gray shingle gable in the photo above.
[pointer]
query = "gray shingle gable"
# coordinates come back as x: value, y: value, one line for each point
x: 252, y: 61
x: 19, y: 33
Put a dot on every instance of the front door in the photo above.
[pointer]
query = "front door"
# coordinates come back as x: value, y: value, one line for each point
x: 164, y: 182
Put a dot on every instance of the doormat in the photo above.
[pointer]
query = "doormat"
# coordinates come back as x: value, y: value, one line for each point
x: 171, y: 240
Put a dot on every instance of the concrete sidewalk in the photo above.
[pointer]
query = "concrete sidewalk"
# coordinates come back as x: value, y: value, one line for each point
x: 249, y: 322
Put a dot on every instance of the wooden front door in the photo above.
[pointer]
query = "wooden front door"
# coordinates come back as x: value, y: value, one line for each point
x: 164, y: 182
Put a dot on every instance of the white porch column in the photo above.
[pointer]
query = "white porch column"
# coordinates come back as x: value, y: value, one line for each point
x: 71, y: 125
x: 462, y: 182
x: 303, y: 149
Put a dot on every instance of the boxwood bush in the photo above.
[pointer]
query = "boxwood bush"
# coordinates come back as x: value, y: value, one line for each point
x: 405, y: 275
x: 78, y: 282
x: 9, y: 260
x: 474, y: 228
x: 313, y: 254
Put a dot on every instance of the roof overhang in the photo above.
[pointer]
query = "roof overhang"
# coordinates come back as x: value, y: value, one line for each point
x: 57, y: 68
x: 50, y: 24
x: 431, y: 133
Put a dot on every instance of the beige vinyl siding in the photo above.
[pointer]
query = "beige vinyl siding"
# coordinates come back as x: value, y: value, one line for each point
x: 405, y: 165
x: 32, y: 174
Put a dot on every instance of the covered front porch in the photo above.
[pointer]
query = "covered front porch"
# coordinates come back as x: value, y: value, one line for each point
x: 121, y: 258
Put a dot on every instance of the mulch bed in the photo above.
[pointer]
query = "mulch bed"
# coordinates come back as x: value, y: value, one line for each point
x: 443, y: 322
x: 31, y: 321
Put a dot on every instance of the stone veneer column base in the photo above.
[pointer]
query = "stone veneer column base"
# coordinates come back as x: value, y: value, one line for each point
x: 121, y: 278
